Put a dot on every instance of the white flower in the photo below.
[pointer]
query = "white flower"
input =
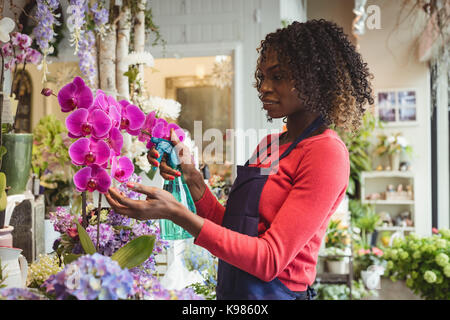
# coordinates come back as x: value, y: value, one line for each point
x: 391, y: 139
x: 140, y: 58
x: 165, y: 108
x: 137, y: 148
x: 143, y: 163
x: 6, y: 26
x: 402, y: 142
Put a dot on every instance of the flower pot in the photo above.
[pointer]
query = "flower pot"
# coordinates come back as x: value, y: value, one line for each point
x: 394, y: 160
x: 6, y: 239
x: 16, y: 163
x: 15, y: 266
x: 337, y: 267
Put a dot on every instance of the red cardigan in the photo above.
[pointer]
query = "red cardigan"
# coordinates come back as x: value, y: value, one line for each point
x: 295, y: 207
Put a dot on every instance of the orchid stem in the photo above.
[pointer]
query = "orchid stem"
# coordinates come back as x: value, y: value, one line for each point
x: 83, y: 209
x: 98, y: 219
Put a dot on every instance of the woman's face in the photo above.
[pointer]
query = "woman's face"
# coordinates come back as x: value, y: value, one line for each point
x: 277, y: 91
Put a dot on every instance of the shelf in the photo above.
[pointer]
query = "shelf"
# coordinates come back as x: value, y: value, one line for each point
x: 395, y: 228
x: 388, y: 174
x: 388, y: 202
x: 332, y: 278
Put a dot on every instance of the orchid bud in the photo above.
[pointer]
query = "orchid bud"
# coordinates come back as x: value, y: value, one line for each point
x: 47, y: 92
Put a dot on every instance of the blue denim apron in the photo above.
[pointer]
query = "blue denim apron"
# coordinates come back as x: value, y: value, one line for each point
x: 242, y: 215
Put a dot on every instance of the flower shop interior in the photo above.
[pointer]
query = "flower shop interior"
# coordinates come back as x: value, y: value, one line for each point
x: 192, y: 63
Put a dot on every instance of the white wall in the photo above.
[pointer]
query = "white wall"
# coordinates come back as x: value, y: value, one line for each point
x: 231, y: 27
x: 391, y: 54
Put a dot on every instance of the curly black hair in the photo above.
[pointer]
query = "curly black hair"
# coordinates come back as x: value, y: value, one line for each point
x: 327, y: 70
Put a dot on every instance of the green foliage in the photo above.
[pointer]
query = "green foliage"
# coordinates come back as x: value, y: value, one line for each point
x: 342, y: 291
x: 358, y: 144
x: 50, y: 159
x: 50, y: 146
x: 364, y: 218
x: 3, y: 151
x: 85, y: 240
x: 3, y: 200
x: 423, y: 262
x: 336, y: 235
x: 70, y: 257
x: 2, y: 276
x: 201, y: 260
x: 134, y: 252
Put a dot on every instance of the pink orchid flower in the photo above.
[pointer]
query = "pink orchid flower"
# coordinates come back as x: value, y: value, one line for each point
x: 82, y: 123
x: 159, y: 128
x: 132, y: 118
x: 147, y: 126
x: 88, y: 151
x: 115, y: 141
x: 121, y: 169
x: 92, y: 178
x: 75, y: 94
x: 109, y: 105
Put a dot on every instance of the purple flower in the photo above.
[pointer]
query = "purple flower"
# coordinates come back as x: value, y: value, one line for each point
x: 20, y: 294
x: 88, y: 151
x: 75, y: 95
x: 33, y: 56
x: 92, y: 178
x: 109, y: 105
x: 62, y: 220
x: 121, y: 169
x: 20, y: 40
x: 101, y: 15
x: 91, y: 277
x: 159, y: 128
x: 87, y: 56
x: 82, y: 123
x: 147, y: 126
x: 106, y: 234
x: 45, y: 16
x: 115, y: 141
x: 7, y: 50
x: 132, y: 118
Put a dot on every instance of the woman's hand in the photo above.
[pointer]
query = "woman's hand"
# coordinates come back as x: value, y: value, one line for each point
x: 159, y: 204
x: 192, y: 176
x: 184, y: 156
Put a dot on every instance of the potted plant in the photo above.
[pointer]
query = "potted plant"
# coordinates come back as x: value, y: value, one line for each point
x: 336, y: 260
x: 365, y: 219
x: 17, y: 162
x: 423, y: 263
x: 393, y: 146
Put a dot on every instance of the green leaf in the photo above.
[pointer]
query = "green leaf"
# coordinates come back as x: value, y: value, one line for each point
x: 85, y: 240
x: 3, y: 151
x: 70, y: 257
x: 134, y: 252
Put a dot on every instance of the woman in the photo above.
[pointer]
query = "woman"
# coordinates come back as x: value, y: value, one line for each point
x: 268, y: 236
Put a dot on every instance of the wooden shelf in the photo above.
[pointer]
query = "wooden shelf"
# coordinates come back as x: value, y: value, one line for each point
x: 395, y: 228
x: 388, y: 174
x: 332, y: 278
x: 389, y: 202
